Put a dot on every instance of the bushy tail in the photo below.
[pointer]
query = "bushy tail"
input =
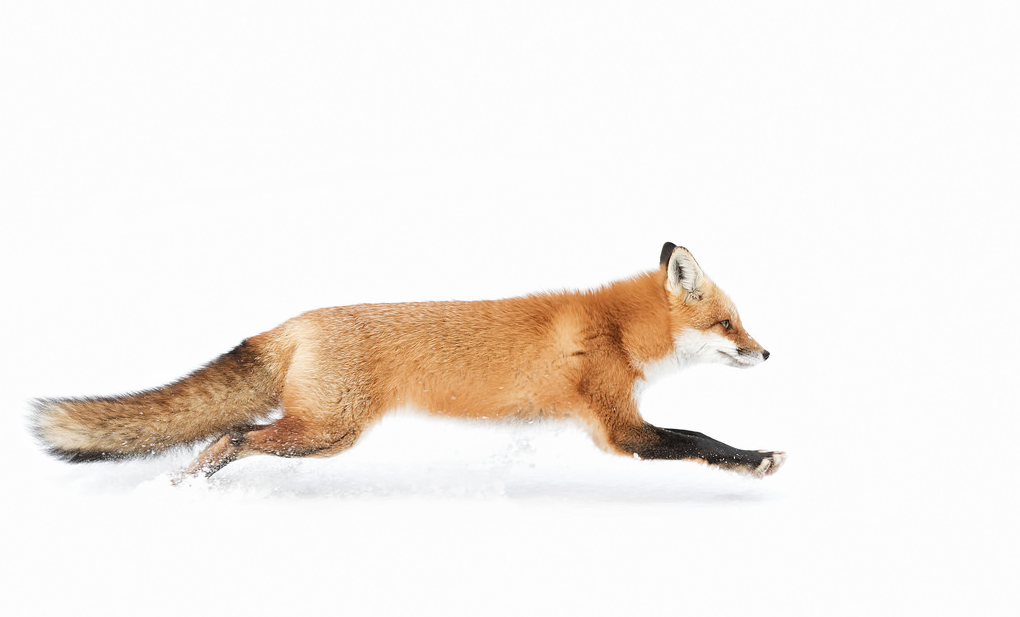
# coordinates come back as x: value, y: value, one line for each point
x: 234, y: 390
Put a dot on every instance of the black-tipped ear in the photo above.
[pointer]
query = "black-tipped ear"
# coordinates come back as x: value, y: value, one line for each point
x: 667, y: 252
x: 684, y: 276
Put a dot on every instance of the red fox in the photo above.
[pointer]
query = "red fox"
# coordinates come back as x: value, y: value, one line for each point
x: 334, y: 371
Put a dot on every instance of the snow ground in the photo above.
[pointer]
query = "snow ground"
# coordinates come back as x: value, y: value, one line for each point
x: 178, y: 177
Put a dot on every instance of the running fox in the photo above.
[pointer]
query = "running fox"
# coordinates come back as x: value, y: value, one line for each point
x: 334, y: 371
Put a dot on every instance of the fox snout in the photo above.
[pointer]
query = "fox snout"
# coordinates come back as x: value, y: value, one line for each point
x: 747, y: 357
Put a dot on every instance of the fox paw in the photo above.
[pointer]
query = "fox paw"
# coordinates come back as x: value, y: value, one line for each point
x: 770, y: 463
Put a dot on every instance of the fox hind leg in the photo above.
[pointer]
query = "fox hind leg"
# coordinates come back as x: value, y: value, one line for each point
x: 291, y: 436
x: 217, y: 455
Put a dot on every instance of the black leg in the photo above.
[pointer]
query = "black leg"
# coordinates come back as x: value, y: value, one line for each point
x: 653, y: 442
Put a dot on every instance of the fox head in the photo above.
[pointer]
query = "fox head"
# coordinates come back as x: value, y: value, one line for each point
x: 705, y: 323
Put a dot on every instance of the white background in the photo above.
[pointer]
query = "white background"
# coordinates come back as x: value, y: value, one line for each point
x: 178, y: 176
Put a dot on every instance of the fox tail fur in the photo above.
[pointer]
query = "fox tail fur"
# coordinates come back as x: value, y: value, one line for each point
x: 233, y: 391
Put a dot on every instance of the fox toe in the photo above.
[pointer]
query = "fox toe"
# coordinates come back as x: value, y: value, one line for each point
x: 770, y: 464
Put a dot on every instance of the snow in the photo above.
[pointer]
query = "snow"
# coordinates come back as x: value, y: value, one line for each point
x: 179, y: 177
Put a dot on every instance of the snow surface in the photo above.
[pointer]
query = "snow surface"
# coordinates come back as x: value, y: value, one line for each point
x: 178, y: 176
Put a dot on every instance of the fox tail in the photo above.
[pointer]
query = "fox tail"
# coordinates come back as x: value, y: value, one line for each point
x: 232, y: 391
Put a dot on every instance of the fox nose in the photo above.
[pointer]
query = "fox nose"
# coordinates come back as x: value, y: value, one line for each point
x: 765, y: 354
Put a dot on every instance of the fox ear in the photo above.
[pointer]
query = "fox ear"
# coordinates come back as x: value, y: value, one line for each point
x: 667, y: 252
x: 683, y: 275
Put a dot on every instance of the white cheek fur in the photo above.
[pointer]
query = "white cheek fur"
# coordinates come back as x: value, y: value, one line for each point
x: 695, y: 347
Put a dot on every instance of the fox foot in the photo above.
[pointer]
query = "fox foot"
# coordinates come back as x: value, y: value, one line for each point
x: 770, y: 464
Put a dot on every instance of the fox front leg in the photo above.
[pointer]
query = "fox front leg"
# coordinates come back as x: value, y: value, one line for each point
x: 652, y: 442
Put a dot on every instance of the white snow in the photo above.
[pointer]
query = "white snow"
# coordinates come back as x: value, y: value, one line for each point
x: 177, y: 177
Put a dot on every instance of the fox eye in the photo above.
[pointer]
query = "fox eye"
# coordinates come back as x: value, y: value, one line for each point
x: 725, y: 323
